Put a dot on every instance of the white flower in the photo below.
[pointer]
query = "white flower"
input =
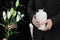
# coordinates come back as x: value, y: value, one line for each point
x: 17, y: 3
x: 18, y: 18
x: 19, y: 13
x: 14, y: 14
x: 8, y: 14
x: 11, y: 11
x: 22, y: 15
x: 4, y: 15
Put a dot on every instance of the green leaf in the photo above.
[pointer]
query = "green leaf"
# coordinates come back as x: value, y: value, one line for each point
x: 17, y: 3
x: 3, y: 25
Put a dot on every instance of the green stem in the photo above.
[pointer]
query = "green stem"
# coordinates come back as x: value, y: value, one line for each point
x: 2, y: 25
x: 8, y: 33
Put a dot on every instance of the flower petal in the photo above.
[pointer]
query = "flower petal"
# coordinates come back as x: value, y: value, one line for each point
x: 22, y: 15
x: 18, y: 18
x: 19, y: 13
x: 17, y: 3
x: 8, y: 14
x: 4, y: 15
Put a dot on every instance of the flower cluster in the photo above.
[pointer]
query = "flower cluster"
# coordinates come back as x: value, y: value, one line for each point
x: 11, y: 17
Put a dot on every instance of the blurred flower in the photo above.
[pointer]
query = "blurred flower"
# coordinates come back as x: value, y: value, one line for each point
x: 10, y: 19
x: 18, y: 18
x: 22, y: 15
x: 17, y: 3
x: 14, y: 14
x: 8, y: 14
x: 19, y: 13
x: 11, y: 11
x: 4, y: 15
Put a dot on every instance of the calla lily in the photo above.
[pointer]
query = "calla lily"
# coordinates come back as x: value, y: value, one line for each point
x: 8, y: 14
x: 4, y: 15
x: 17, y: 3
x: 18, y: 18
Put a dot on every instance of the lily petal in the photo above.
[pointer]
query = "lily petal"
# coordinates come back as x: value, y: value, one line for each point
x: 18, y: 18
x: 17, y: 3
x: 8, y: 14
x: 4, y: 15
x: 22, y: 15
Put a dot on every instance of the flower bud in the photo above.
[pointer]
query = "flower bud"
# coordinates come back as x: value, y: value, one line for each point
x: 4, y: 15
x: 8, y: 14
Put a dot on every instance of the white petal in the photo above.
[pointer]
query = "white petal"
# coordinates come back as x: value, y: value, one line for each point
x: 17, y: 3
x: 4, y: 15
x: 14, y: 14
x: 11, y: 11
x: 8, y: 14
x: 18, y: 18
x: 5, y: 18
x: 19, y: 13
x: 22, y: 15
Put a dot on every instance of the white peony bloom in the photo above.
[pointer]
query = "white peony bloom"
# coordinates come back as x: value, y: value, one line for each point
x: 4, y: 15
x: 8, y: 14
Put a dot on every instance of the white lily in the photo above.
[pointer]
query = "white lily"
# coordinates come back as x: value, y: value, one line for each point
x: 18, y: 18
x: 11, y: 11
x: 14, y: 14
x: 19, y: 13
x: 4, y: 15
x: 22, y: 15
x: 8, y: 14
x: 17, y: 3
